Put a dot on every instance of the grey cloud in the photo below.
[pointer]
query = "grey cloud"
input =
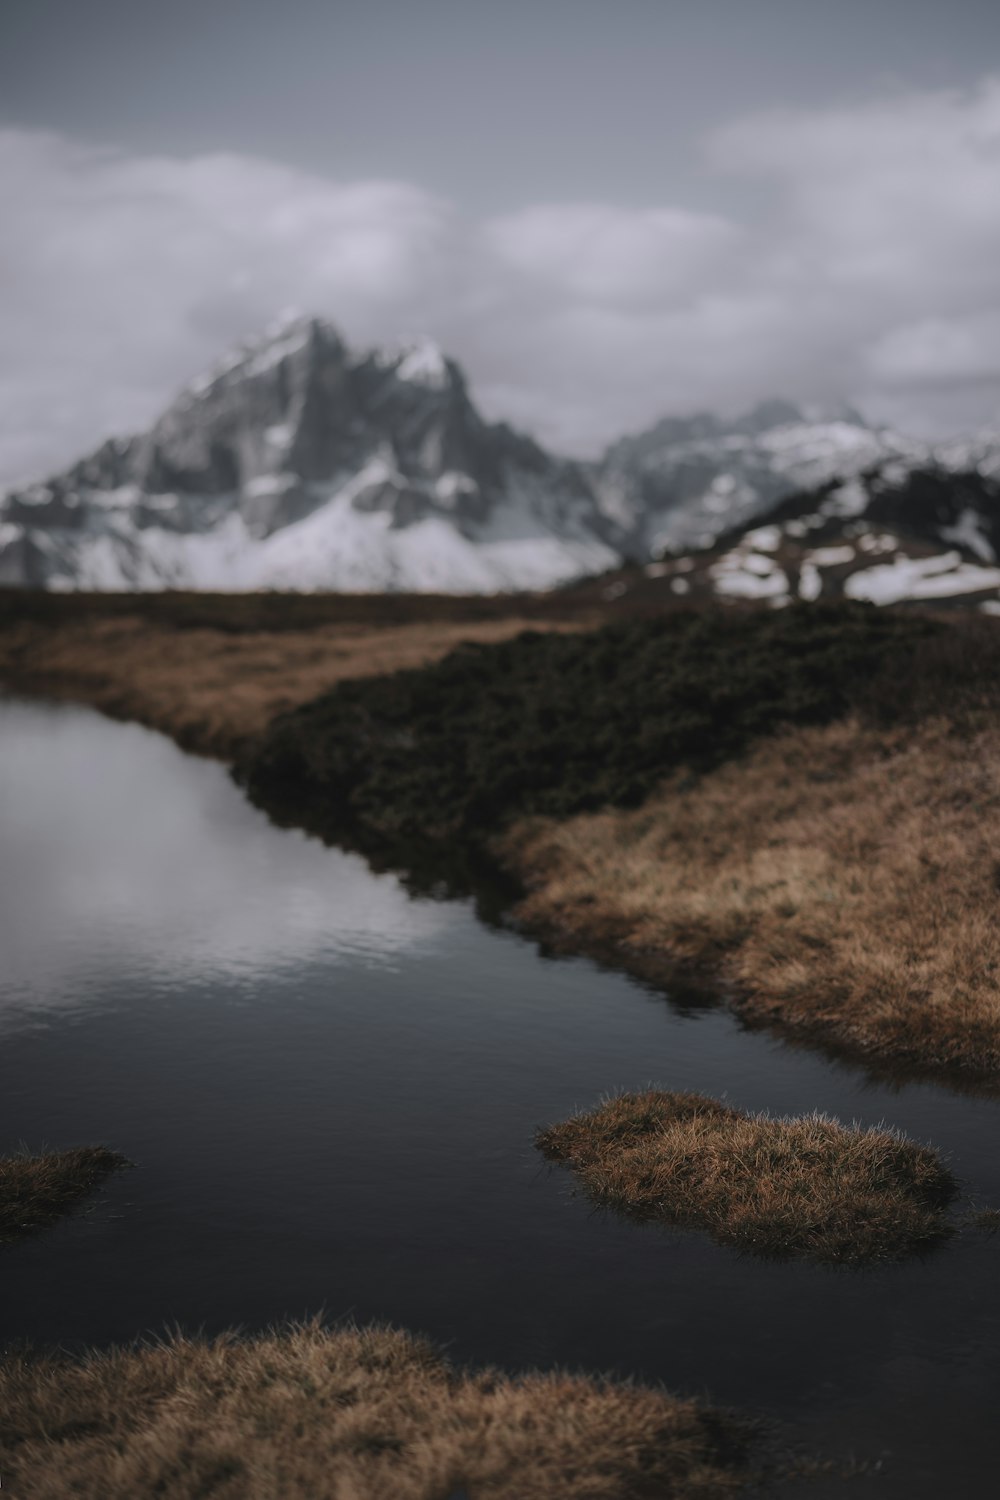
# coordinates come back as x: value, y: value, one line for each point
x: 125, y: 275
x: 870, y: 269
x: 943, y: 352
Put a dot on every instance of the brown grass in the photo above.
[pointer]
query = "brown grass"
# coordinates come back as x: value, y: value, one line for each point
x: 809, y: 1187
x: 215, y: 689
x: 841, y: 882
x: 37, y: 1190
x: 369, y: 1414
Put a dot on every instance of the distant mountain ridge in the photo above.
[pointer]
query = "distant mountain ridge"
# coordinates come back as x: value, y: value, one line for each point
x: 683, y: 481
x: 297, y: 463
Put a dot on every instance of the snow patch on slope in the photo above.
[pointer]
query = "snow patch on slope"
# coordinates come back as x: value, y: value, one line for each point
x: 749, y: 575
x: 943, y: 577
x: 425, y: 364
x: 968, y: 532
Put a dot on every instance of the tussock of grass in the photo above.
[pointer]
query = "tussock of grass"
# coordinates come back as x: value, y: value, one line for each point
x: 37, y: 1190
x: 557, y: 724
x: 841, y: 880
x: 809, y: 1187
x: 346, y: 1415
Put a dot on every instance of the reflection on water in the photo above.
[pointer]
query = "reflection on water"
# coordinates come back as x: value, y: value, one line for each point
x: 121, y: 856
x: 330, y: 1090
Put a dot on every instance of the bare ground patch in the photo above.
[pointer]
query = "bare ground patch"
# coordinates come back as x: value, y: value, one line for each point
x: 352, y: 1414
x: 840, y: 881
x: 809, y: 1188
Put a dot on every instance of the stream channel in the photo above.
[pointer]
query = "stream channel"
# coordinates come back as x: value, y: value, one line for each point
x: 330, y: 1090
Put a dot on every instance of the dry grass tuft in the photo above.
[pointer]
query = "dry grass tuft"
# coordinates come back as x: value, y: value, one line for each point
x: 37, y: 1190
x: 840, y: 880
x: 353, y: 1414
x: 809, y: 1187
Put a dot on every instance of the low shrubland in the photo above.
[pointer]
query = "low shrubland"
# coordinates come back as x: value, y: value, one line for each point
x: 348, y: 1414
x: 35, y: 1191
x: 558, y: 724
x: 809, y: 1187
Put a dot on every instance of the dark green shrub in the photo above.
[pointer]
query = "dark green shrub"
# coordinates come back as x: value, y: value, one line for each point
x: 559, y: 724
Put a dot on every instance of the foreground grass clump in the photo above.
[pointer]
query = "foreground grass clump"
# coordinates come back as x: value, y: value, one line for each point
x: 558, y: 724
x: 807, y: 1187
x: 842, y: 881
x: 352, y: 1414
x: 37, y: 1190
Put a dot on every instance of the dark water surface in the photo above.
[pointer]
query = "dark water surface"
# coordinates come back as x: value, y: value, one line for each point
x: 330, y: 1091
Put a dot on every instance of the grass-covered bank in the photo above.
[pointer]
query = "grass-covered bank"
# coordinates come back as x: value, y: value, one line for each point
x: 349, y: 1414
x: 212, y: 672
x: 843, y: 882
x: 35, y: 1191
x: 802, y: 806
x: 808, y: 1188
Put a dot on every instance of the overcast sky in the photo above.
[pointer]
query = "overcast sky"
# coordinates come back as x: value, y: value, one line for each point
x: 605, y: 211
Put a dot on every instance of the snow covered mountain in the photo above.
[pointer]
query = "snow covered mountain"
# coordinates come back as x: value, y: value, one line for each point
x: 893, y: 534
x: 299, y: 464
x: 685, y: 481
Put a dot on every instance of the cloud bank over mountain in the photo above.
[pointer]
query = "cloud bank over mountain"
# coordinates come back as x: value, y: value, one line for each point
x: 865, y: 263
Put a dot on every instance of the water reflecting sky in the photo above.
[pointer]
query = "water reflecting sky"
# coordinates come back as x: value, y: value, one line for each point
x: 107, y: 871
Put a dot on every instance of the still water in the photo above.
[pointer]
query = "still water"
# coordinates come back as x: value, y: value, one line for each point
x: 330, y: 1089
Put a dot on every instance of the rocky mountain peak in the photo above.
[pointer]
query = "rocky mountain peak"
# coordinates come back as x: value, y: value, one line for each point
x: 293, y: 428
x: 293, y: 334
x: 296, y: 409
